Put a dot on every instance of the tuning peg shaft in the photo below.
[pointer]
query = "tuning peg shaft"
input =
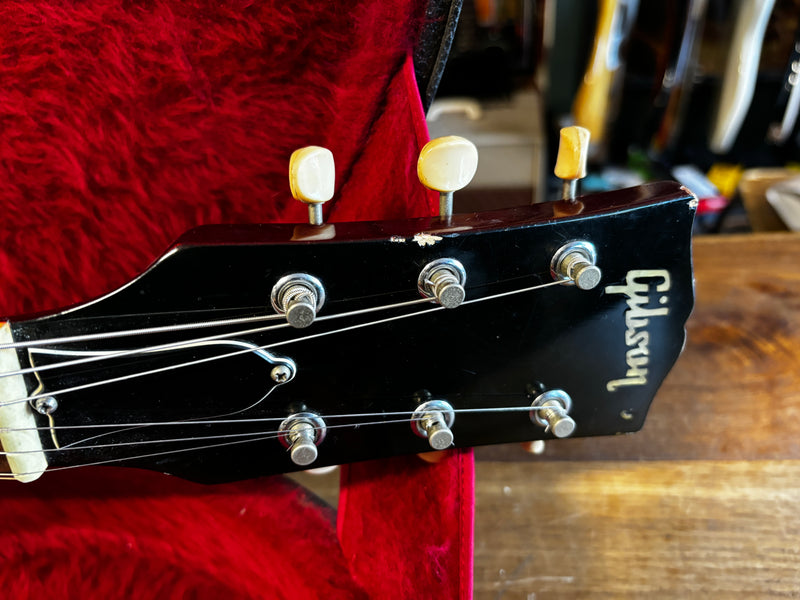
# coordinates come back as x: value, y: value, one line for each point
x: 433, y: 420
x: 550, y: 409
x: 301, y: 433
x: 573, y: 148
x: 298, y: 297
x: 446, y: 165
x: 312, y: 178
x: 576, y: 262
x: 443, y: 280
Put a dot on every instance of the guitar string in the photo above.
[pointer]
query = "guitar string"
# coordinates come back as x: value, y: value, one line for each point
x: 267, y: 346
x: 74, y: 445
x: 493, y: 409
x: 276, y: 433
x: 200, y: 361
x: 143, y: 331
x: 366, y: 324
x: 204, y: 324
x: 123, y: 428
x: 9, y: 476
x: 154, y: 454
x: 183, y: 343
x: 113, y: 460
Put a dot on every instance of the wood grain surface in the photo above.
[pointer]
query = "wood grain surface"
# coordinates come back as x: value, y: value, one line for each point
x: 623, y: 529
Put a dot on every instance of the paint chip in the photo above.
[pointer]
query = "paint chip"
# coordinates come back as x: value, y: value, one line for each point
x: 399, y: 239
x: 426, y: 239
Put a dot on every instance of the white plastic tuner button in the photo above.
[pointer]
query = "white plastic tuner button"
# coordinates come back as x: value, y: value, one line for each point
x: 312, y: 178
x: 446, y: 165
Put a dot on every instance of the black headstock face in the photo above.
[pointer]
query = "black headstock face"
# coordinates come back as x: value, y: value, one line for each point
x: 374, y: 352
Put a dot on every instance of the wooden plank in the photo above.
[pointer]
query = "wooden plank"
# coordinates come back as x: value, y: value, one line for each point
x: 735, y: 392
x: 669, y: 529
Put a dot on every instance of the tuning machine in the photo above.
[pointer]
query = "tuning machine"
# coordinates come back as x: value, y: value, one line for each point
x: 312, y: 179
x: 573, y: 148
x: 433, y: 420
x: 443, y: 280
x: 446, y: 165
x: 575, y: 263
x: 301, y: 433
x: 299, y: 297
x: 550, y: 409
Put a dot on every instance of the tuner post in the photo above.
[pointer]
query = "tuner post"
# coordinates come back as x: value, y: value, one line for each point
x: 573, y: 149
x: 550, y: 409
x: 299, y: 297
x: 301, y: 433
x: 312, y: 179
x: 443, y: 280
x: 446, y: 165
x: 433, y: 420
x: 575, y: 263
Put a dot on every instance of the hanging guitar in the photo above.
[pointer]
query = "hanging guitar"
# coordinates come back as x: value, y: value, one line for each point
x: 260, y: 349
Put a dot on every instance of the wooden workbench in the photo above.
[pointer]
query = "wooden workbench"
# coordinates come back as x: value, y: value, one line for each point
x: 704, y: 502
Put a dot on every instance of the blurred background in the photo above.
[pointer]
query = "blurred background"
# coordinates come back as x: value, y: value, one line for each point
x: 702, y: 91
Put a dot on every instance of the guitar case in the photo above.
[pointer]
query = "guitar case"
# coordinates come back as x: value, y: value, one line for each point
x: 124, y: 124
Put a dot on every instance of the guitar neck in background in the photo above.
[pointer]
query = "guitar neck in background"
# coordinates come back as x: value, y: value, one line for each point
x: 597, y: 99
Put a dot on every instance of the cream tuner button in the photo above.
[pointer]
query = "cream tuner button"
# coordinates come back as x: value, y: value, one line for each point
x: 312, y: 178
x: 573, y: 148
x: 446, y: 165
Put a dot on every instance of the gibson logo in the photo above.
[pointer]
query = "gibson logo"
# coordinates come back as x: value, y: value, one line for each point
x: 637, y: 338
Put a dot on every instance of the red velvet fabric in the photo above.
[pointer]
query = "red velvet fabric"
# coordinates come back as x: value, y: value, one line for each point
x: 122, y: 124
x: 407, y: 529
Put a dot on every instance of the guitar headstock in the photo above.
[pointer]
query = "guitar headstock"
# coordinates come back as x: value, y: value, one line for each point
x: 251, y: 350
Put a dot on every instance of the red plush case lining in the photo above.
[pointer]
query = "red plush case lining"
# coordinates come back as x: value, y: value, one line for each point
x: 122, y: 124
x: 407, y: 526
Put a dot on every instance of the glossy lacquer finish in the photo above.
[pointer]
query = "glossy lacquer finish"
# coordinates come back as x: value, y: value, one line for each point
x: 487, y: 353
